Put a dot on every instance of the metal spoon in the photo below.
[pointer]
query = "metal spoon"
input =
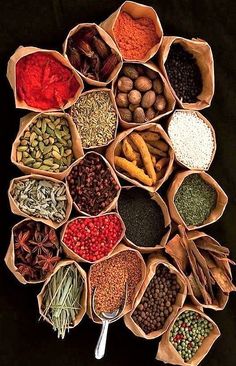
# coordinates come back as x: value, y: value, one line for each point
x: 106, y: 319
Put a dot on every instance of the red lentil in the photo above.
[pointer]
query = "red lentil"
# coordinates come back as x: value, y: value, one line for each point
x: 109, y: 278
x: 93, y: 238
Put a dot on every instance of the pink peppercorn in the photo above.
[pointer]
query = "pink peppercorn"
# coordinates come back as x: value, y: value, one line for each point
x: 93, y: 238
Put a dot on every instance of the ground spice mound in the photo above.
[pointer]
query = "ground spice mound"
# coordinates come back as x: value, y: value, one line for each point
x: 135, y: 37
x: 43, y: 82
x: 109, y: 278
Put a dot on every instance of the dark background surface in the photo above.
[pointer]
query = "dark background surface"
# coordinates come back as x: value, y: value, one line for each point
x: 24, y: 341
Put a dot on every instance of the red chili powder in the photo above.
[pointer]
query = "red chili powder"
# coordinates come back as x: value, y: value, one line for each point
x: 135, y: 37
x: 43, y: 82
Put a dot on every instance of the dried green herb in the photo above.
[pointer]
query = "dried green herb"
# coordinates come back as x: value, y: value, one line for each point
x: 62, y: 297
x: 195, y: 199
x: 95, y: 117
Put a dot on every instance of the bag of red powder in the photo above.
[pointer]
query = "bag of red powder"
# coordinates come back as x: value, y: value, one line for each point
x: 168, y: 354
x: 161, y: 203
x: 42, y: 80
x: 29, y: 119
x: 109, y: 43
x: 154, y: 261
x: 166, y: 93
x: 136, y: 29
x: 201, y: 51
x: 134, y: 277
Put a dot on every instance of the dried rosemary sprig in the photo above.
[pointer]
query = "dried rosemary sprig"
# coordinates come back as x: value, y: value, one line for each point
x: 61, y: 299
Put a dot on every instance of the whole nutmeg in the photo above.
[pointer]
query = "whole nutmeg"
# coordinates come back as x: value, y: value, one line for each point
x: 151, y: 74
x: 157, y: 86
x: 143, y: 83
x: 150, y: 114
x: 132, y: 107
x: 125, y: 114
x: 139, y: 115
x: 122, y: 100
x: 125, y: 84
x: 148, y: 99
x: 160, y: 103
x: 134, y: 96
x: 130, y: 72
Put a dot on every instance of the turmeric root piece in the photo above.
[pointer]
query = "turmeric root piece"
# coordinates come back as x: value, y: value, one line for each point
x: 154, y: 159
x: 129, y: 153
x: 161, y: 163
x: 160, y: 144
x: 145, y: 154
x: 155, y: 151
x: 132, y: 170
x: 134, y: 147
x: 118, y: 149
x: 149, y: 136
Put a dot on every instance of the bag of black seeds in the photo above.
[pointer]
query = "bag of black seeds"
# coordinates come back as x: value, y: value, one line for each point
x: 188, y: 349
x: 195, y: 199
x: 21, y: 258
x: 98, y: 190
x: 194, y: 86
x: 162, y: 294
x: 146, y: 218
x: 41, y: 147
x: 49, y: 201
x: 86, y: 50
x: 124, y: 267
x: 78, y: 313
x: 115, y: 149
x: 154, y: 97
x: 206, y: 267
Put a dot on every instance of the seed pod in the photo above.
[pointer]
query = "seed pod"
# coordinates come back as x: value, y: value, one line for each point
x: 143, y: 84
x: 134, y: 96
x: 132, y: 107
x: 125, y: 114
x: 150, y: 114
x: 160, y: 103
x: 130, y: 71
x: 125, y: 84
x: 157, y: 86
x: 101, y: 47
x: 122, y: 100
x: 148, y: 99
x: 139, y: 115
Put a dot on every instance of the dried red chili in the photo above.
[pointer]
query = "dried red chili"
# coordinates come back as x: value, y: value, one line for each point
x: 43, y: 82
x: 93, y: 238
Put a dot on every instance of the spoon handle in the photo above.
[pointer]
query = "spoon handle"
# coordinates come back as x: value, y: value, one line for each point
x: 101, y: 345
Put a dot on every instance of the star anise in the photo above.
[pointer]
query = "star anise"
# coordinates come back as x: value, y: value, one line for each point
x: 41, y: 243
x: 47, y: 262
x: 26, y: 271
x: 21, y: 241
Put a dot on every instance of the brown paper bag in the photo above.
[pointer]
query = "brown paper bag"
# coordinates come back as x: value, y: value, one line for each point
x: 120, y: 248
x: 112, y: 205
x: 135, y: 10
x: 72, y: 255
x: 166, y: 91
x: 83, y: 297
x: 201, y: 51
x: 110, y: 153
x: 110, y: 43
x: 11, y: 75
x: 204, y: 263
x: 199, y: 115
x: 25, y: 123
x: 153, y: 262
x: 161, y: 203
x: 215, y: 214
x: 168, y: 354
x: 116, y: 110
x: 10, y: 257
x: 15, y: 209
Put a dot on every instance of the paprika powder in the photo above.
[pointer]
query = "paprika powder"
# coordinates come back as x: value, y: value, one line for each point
x: 43, y: 82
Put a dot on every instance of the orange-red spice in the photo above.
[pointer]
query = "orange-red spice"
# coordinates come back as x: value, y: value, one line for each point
x: 43, y: 82
x: 135, y: 37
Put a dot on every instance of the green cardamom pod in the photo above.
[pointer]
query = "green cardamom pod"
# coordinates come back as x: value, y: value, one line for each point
x: 62, y: 151
x: 29, y: 161
x: 32, y: 137
x: 40, y: 138
x: 47, y: 149
x: 27, y: 135
x: 34, y: 143
x: 51, y: 125
x: 25, y: 154
x: 56, y: 155
x: 58, y: 134
x: 55, y: 148
x: 48, y: 162
x: 38, y: 155
x: 50, y: 131
x: 45, y: 136
x: 57, y: 121
x: 46, y: 141
x: 45, y: 167
x: 19, y: 156
x: 24, y: 142
x: 51, y: 140
x: 37, y: 165
x: 55, y: 166
x: 39, y: 123
x: 44, y: 125
x: 37, y: 130
x: 22, y: 148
